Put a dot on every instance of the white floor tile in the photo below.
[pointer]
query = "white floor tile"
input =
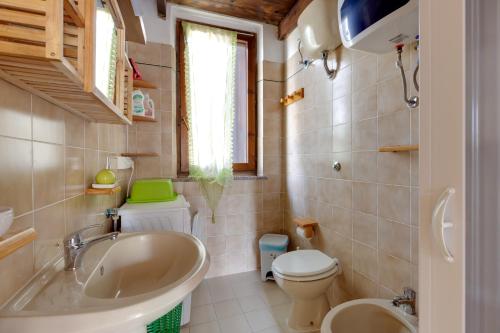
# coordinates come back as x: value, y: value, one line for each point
x: 251, y: 303
x: 211, y: 327
x: 260, y: 320
x: 227, y: 309
x: 236, y: 324
x: 201, y: 296
x: 202, y: 314
x: 274, y: 329
x: 273, y: 296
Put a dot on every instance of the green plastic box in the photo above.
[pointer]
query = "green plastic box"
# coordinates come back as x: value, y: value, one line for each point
x: 152, y: 190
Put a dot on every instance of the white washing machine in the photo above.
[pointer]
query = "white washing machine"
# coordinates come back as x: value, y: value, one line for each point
x: 158, y: 216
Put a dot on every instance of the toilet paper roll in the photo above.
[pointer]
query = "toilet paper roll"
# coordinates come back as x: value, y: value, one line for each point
x: 304, y: 233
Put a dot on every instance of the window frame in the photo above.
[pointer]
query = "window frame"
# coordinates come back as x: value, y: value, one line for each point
x: 182, y: 123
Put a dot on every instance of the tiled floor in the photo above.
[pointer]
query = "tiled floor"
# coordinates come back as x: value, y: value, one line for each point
x: 239, y: 303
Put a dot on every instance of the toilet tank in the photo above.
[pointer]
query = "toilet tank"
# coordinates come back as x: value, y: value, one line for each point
x: 376, y: 26
x: 318, y: 26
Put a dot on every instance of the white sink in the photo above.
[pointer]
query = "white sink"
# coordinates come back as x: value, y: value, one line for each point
x: 368, y: 315
x: 123, y: 285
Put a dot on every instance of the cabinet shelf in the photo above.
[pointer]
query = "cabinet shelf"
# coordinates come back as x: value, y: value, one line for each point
x: 102, y: 191
x: 140, y: 154
x: 47, y: 50
x: 144, y: 84
x: 11, y: 243
x: 395, y: 149
x: 144, y: 119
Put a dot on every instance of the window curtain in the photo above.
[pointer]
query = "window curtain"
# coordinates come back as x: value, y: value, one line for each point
x: 210, y: 71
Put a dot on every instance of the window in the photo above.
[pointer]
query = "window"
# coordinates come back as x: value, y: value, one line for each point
x: 245, y: 122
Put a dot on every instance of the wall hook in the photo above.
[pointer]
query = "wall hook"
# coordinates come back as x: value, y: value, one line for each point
x: 332, y: 73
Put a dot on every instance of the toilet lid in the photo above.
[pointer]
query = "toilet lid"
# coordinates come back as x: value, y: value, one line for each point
x: 303, y: 263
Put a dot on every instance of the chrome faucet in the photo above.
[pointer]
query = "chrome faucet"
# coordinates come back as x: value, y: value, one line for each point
x: 75, y: 246
x: 406, y: 302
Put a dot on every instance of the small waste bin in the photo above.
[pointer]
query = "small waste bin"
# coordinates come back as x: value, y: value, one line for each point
x: 271, y: 246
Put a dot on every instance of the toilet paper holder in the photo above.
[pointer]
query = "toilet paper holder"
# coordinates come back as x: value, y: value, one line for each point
x: 305, y: 227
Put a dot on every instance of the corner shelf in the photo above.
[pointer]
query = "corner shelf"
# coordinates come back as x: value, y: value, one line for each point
x: 102, y: 191
x: 11, y: 243
x: 396, y: 149
x: 140, y: 155
x: 144, y: 84
x: 144, y: 119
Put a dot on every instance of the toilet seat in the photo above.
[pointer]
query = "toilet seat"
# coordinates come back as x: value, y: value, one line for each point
x: 304, y: 265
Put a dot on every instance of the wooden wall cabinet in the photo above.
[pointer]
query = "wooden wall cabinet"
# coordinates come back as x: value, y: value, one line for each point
x: 48, y: 48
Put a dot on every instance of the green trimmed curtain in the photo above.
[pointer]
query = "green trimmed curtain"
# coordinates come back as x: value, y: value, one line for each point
x: 210, y: 71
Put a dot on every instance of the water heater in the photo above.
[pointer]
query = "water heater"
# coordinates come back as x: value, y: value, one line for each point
x: 318, y: 28
x: 377, y: 25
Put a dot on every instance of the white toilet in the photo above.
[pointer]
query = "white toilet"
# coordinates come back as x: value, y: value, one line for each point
x: 305, y: 275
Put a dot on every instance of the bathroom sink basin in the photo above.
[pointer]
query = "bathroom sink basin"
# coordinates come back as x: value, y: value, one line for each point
x: 368, y: 316
x: 122, y: 286
x: 142, y: 264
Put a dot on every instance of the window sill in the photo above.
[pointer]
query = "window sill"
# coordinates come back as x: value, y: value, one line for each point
x: 236, y: 177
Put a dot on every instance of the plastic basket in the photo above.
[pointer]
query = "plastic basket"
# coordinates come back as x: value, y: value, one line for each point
x: 169, y: 323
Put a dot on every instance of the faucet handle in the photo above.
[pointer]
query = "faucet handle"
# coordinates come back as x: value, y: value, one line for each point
x: 409, y: 293
x: 75, y: 238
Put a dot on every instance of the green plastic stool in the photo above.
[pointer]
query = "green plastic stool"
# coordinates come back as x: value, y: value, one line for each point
x: 169, y: 323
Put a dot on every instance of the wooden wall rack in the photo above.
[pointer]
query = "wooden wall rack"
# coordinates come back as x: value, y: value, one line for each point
x: 297, y: 95
x: 396, y: 149
x: 11, y: 243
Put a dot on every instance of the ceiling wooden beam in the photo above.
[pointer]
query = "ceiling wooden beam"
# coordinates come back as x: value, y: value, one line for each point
x: 134, y: 31
x: 162, y: 9
x: 290, y: 21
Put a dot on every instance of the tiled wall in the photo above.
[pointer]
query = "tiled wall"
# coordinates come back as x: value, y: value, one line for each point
x: 367, y: 212
x: 248, y: 208
x: 48, y: 157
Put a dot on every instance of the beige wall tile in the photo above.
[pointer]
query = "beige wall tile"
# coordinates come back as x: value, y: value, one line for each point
x: 394, y: 203
x: 394, y: 168
x: 15, y: 271
x: 91, y: 135
x: 365, y: 261
x: 364, y: 103
x: 364, y: 73
x: 341, y: 110
x: 15, y: 109
x: 48, y: 121
x: 49, y: 225
x: 394, y: 274
x: 365, y: 197
x: 364, y: 288
x: 365, y: 228
x: 48, y: 173
x: 394, y: 129
x: 74, y: 171
x: 365, y: 166
x: 342, y: 138
x: 364, y: 135
x: 16, y: 170
x: 74, y: 130
x: 395, y: 239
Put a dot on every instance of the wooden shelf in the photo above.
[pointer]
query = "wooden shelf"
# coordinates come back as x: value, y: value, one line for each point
x: 145, y: 119
x: 395, y: 149
x: 103, y: 191
x: 140, y: 154
x: 144, y: 84
x: 11, y: 243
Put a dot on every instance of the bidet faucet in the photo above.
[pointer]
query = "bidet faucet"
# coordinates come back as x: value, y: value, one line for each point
x: 406, y: 302
x: 75, y: 246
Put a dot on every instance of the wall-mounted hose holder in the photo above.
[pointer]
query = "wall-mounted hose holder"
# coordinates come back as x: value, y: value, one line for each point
x: 411, y: 101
